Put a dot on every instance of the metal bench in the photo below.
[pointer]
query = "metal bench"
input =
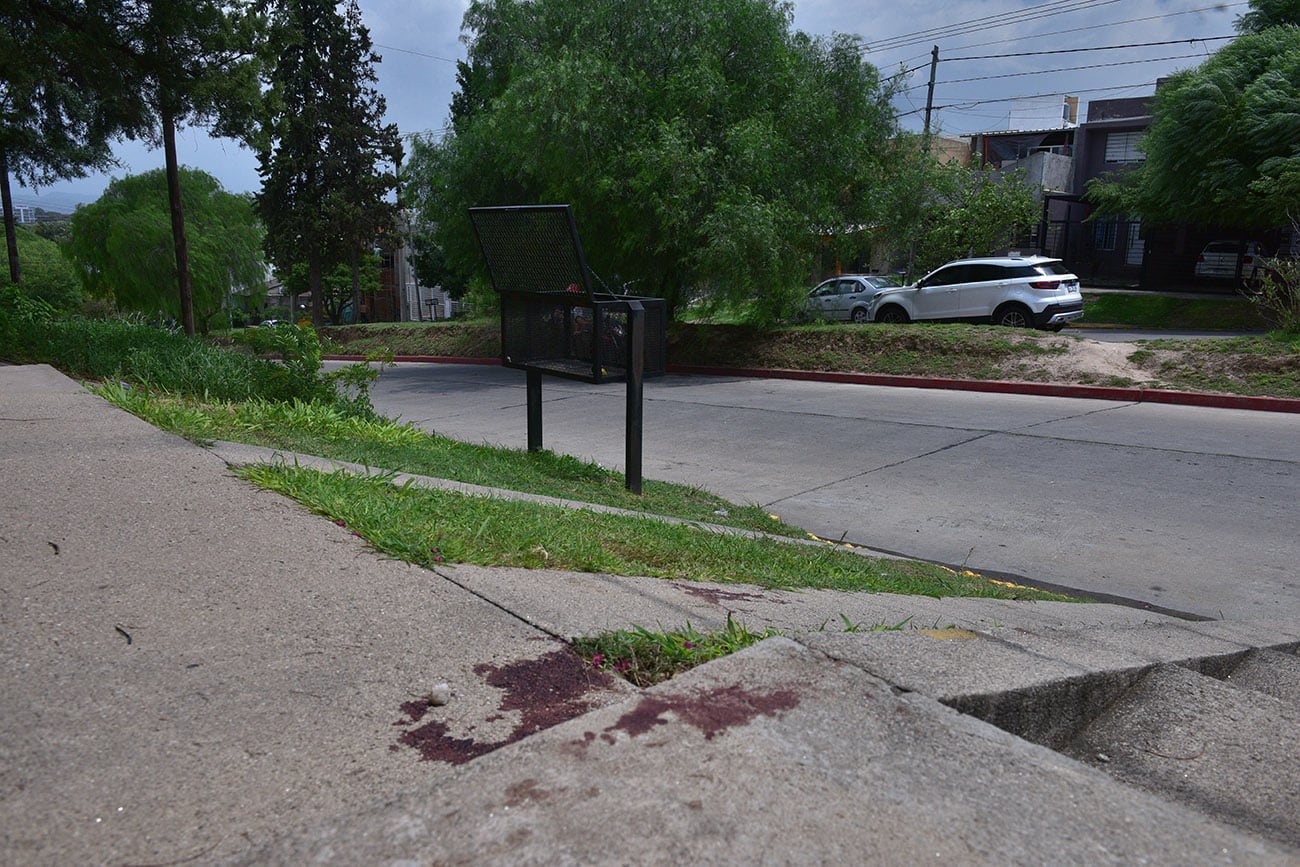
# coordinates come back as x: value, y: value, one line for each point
x: 553, y: 321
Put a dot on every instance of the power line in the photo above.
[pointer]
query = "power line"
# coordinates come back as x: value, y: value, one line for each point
x: 972, y: 103
x: 1061, y: 69
x: 1215, y: 8
x: 1095, y: 48
x: 1076, y: 51
x: 1218, y: 7
x: 934, y: 32
x: 416, y: 53
x: 951, y: 30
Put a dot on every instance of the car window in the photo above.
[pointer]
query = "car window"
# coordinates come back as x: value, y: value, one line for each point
x: 825, y: 289
x: 882, y: 282
x: 985, y: 273
x: 947, y: 276
x: 850, y: 287
x: 1049, y: 269
x: 1222, y: 247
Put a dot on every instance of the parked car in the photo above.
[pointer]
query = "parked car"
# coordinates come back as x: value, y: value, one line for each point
x: 848, y: 296
x: 1219, y: 260
x: 1014, y: 290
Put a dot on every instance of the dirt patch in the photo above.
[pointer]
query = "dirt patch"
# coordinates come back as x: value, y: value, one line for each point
x: 1091, y: 362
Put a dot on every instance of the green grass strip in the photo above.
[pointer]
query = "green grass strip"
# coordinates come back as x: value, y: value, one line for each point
x: 321, y: 429
x: 427, y: 527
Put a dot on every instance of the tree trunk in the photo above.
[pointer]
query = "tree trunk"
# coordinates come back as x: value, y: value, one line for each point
x: 11, y: 233
x: 178, y: 222
x: 314, y: 280
x: 356, y: 288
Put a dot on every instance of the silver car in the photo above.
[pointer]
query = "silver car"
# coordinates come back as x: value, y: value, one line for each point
x: 848, y: 296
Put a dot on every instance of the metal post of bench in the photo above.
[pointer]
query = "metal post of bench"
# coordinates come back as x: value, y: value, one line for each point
x: 534, y: 385
x: 635, y: 412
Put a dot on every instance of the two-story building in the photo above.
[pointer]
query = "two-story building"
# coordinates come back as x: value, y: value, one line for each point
x: 1113, y: 250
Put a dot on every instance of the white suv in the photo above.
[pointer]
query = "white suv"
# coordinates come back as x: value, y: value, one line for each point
x: 1015, y: 290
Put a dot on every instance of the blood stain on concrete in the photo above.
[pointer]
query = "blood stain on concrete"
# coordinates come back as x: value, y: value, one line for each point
x: 545, y: 691
x: 711, y: 711
x: 717, y: 597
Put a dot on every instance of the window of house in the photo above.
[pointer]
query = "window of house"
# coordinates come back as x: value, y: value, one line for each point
x: 1122, y: 147
x: 1105, y: 234
x: 1136, y: 249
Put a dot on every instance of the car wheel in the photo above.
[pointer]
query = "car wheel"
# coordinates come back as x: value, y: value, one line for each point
x: 1055, y: 329
x: 892, y: 315
x: 859, y: 314
x: 1014, y: 316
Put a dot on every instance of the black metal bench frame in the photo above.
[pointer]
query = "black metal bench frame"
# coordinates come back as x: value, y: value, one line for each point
x: 554, y: 323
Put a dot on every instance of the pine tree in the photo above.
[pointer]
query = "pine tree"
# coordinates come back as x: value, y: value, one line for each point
x: 328, y: 162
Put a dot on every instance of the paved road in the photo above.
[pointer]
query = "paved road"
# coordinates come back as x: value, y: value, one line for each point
x: 1186, y: 508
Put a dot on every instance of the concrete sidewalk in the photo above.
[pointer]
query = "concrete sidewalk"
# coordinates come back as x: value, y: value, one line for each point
x: 198, y: 671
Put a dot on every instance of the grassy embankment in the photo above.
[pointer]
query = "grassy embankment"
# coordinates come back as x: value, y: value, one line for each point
x: 1260, y: 364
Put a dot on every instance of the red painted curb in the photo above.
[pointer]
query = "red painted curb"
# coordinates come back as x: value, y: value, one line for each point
x: 1037, y: 389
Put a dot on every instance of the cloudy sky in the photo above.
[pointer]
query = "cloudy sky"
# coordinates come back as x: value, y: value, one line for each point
x: 419, y: 41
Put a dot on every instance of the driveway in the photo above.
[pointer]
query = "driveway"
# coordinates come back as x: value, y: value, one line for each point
x: 1185, y: 508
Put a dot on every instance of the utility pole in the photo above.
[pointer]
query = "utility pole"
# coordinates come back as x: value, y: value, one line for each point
x: 929, y: 99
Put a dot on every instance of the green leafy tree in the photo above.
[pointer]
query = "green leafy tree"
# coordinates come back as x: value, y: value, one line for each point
x: 54, y: 122
x: 174, y: 64
x: 1224, y: 145
x: 1264, y: 14
x: 122, y: 244
x: 704, y: 145
x: 973, y: 213
x: 934, y: 212
x: 327, y: 160
x: 339, y: 285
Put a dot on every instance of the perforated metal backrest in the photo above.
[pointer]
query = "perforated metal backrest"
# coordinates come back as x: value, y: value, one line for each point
x: 532, y: 248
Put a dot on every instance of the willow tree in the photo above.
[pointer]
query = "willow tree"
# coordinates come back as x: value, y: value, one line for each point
x: 706, y: 146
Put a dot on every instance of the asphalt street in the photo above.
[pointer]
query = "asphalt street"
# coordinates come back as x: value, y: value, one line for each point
x: 1190, y: 509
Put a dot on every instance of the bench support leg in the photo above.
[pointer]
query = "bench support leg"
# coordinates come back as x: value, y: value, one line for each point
x: 534, y: 411
x: 635, y: 414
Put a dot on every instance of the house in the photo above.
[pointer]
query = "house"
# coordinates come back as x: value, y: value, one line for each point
x: 1113, y: 250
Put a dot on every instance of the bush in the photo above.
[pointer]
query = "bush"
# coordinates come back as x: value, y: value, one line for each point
x: 166, y: 360
x: 1275, y: 292
x: 47, y: 275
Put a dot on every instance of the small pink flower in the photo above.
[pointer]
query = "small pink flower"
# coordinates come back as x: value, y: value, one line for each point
x: 598, y: 659
x: 622, y: 665
x: 341, y: 523
x: 689, y: 645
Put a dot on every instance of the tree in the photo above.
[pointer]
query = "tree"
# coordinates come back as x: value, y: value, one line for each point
x: 704, y: 146
x: 177, y: 63
x: 122, y: 244
x: 971, y: 212
x: 1224, y: 145
x: 1264, y: 14
x: 326, y: 154
x: 54, y: 124
x: 339, y: 285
